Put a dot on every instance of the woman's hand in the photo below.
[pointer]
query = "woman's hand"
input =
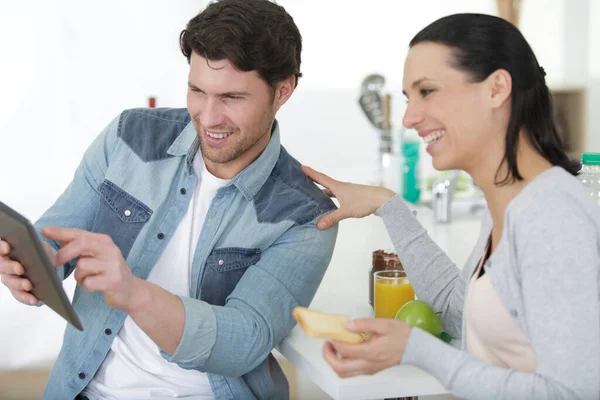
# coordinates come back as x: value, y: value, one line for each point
x: 385, y: 349
x: 356, y: 201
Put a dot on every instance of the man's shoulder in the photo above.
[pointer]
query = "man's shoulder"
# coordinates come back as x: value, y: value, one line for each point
x: 149, y: 132
x: 288, y: 194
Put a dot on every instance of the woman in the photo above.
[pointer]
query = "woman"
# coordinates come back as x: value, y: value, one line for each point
x: 526, y: 304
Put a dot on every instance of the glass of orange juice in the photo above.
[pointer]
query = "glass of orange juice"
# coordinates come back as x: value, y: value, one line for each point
x: 391, y: 290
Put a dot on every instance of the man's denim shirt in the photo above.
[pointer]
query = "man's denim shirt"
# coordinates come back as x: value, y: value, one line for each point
x: 259, y: 254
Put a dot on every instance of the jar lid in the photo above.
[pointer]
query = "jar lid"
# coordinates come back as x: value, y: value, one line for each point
x: 590, y: 158
x: 384, y: 252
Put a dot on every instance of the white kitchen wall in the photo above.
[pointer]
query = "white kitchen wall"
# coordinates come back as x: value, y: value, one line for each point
x: 68, y: 67
x: 593, y: 81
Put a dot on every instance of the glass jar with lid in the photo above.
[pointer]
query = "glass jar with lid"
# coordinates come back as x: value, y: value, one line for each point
x: 382, y: 260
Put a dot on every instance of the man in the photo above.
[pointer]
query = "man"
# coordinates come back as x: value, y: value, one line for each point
x: 189, y: 262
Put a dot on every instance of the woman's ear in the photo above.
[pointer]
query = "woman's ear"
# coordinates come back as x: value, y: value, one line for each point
x: 500, y: 87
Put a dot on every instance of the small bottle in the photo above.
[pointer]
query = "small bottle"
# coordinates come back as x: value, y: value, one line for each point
x: 410, y: 146
x: 590, y: 174
x: 382, y: 260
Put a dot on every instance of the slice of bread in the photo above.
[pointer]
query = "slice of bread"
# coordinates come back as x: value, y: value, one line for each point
x: 327, y: 326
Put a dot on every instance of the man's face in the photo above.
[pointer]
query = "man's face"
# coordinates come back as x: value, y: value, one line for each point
x: 233, y: 112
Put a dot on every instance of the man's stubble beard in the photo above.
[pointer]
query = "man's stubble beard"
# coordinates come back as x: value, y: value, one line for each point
x: 246, y: 143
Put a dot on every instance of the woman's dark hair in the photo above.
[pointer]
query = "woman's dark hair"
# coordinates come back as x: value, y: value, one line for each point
x: 482, y: 44
x: 254, y: 35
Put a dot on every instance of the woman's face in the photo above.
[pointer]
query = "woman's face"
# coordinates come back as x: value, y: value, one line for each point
x: 453, y: 115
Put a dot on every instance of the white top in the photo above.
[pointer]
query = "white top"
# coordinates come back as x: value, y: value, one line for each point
x: 134, y: 368
x: 491, y: 334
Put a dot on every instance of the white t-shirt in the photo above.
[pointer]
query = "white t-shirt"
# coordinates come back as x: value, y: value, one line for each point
x: 134, y: 368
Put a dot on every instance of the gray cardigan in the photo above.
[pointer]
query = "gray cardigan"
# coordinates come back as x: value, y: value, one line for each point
x: 546, y: 271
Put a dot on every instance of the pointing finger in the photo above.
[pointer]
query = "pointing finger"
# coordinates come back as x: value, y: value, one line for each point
x: 63, y: 235
x: 319, y: 177
x: 83, y: 246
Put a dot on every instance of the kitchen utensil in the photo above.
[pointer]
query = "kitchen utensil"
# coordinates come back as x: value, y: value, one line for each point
x: 372, y: 83
x: 372, y: 106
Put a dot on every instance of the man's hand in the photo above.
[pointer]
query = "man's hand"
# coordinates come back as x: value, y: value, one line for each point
x: 101, y: 266
x: 11, y: 273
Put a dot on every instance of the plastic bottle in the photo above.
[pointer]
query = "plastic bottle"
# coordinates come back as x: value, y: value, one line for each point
x: 410, y: 145
x: 590, y: 174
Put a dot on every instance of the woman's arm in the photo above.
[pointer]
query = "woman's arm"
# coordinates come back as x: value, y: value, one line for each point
x: 466, y: 377
x: 435, y: 278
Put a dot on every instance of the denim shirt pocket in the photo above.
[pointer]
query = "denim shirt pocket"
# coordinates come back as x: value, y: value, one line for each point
x: 120, y: 215
x: 224, y: 269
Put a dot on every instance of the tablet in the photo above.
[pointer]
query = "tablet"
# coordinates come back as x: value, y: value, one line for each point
x: 27, y: 249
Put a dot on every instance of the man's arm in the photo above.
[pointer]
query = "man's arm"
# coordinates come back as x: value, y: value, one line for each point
x: 227, y: 340
x: 159, y: 313
x: 102, y: 268
x: 233, y: 339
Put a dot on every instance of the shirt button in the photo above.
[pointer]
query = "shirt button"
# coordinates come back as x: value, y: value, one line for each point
x: 182, y: 191
x: 81, y: 375
x: 514, y: 313
x: 221, y: 262
x: 127, y: 213
x: 108, y: 332
x: 160, y: 236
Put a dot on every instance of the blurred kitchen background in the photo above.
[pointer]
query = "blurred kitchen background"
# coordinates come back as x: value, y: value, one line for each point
x: 68, y: 67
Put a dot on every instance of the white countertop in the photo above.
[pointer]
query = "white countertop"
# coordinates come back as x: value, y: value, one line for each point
x: 344, y: 290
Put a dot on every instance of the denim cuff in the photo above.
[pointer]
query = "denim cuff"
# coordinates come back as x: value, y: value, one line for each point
x: 199, y: 335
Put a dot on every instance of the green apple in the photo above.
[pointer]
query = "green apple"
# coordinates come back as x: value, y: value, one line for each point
x: 417, y: 313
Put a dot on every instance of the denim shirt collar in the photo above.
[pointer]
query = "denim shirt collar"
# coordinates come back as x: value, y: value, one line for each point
x: 250, y: 180
x: 186, y: 143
